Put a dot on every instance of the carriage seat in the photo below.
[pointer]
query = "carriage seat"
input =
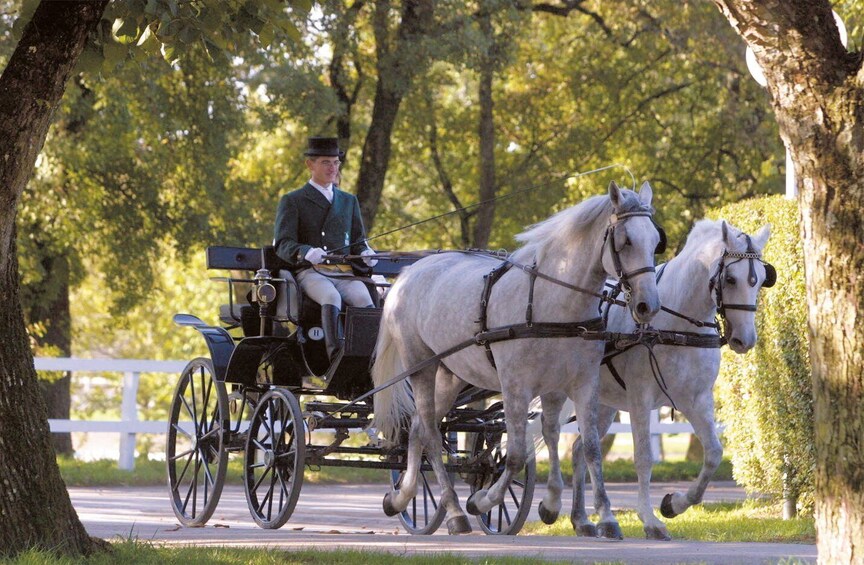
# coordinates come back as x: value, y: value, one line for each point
x: 288, y: 299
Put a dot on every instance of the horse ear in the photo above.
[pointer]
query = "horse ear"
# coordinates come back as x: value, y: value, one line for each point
x: 724, y: 229
x: 761, y: 237
x: 614, y: 194
x: 646, y: 193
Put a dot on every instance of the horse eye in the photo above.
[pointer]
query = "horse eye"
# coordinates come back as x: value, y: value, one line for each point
x: 730, y: 280
x: 627, y: 241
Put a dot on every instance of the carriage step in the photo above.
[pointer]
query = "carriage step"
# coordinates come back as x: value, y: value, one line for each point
x: 332, y: 407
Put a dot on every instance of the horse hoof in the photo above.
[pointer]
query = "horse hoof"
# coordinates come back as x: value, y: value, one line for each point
x: 458, y: 525
x: 389, y: 509
x: 547, y: 516
x: 471, y: 505
x: 666, y: 507
x: 588, y: 530
x: 653, y: 532
x: 609, y: 530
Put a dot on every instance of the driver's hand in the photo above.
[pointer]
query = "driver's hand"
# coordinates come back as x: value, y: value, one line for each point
x: 369, y: 262
x: 315, y: 255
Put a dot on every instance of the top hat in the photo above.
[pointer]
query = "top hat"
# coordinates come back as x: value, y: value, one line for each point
x: 323, y: 147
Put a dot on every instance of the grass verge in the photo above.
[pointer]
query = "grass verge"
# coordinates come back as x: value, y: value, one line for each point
x: 624, y: 471
x: 105, y: 472
x: 134, y: 552
x: 149, y: 473
x: 751, y: 520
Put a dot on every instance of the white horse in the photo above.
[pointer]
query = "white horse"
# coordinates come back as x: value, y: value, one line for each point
x: 719, y: 271
x: 434, y: 305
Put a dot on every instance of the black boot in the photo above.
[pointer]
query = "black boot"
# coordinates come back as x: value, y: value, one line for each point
x: 333, y: 338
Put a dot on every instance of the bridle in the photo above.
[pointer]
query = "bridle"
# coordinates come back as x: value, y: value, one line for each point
x: 609, y: 237
x: 648, y: 336
x: 715, y: 283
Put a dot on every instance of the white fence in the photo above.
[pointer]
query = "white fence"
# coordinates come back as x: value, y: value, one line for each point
x: 129, y: 425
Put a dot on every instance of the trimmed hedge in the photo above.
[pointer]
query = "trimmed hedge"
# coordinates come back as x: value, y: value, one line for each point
x: 765, y: 397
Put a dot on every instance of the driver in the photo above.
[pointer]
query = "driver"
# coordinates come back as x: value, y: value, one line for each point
x: 319, y: 219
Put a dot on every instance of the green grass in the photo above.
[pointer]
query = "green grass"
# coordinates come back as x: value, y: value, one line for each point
x: 105, y: 472
x: 133, y: 552
x: 624, y: 471
x: 149, y: 473
x: 747, y: 521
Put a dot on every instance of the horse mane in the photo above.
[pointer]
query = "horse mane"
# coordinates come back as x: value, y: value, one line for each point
x: 701, y: 253
x: 706, y: 239
x: 569, y: 224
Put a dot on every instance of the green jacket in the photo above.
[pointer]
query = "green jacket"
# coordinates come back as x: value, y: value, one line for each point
x: 305, y: 220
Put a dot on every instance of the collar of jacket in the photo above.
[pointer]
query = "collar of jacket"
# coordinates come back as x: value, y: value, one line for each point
x: 315, y: 196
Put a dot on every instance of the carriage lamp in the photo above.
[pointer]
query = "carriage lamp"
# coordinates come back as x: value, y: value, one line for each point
x: 265, y: 292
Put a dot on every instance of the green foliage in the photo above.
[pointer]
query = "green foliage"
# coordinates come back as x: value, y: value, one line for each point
x: 663, y: 90
x: 765, y: 397
x: 135, y: 29
x: 752, y: 520
x: 146, y: 331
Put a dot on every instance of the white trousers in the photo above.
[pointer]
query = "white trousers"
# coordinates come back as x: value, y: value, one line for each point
x: 332, y: 290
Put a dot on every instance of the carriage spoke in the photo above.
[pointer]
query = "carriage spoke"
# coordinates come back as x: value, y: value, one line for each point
x: 427, y: 493
x: 177, y: 428
x: 267, y: 469
x: 193, y: 489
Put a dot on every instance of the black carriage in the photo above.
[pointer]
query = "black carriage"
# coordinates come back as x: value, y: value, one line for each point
x: 269, y: 384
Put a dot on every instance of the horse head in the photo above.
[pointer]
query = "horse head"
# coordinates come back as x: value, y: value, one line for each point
x: 632, y: 238
x: 737, y: 279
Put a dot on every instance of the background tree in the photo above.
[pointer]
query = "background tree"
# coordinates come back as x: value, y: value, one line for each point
x: 33, y: 501
x: 815, y: 87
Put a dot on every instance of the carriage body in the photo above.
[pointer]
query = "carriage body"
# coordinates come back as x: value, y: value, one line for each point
x: 270, y: 383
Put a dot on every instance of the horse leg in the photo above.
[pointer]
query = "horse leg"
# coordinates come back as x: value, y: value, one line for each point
x: 587, y: 409
x: 550, y: 506
x: 640, y: 424
x: 446, y: 388
x: 516, y: 417
x: 701, y: 417
x: 582, y: 525
x: 396, y: 501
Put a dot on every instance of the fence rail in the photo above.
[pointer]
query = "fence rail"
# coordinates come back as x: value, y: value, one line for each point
x: 129, y: 425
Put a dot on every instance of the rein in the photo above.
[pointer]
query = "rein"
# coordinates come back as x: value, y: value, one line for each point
x: 650, y: 336
x: 593, y: 329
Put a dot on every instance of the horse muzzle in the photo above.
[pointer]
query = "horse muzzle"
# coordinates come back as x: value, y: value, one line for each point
x: 644, y: 301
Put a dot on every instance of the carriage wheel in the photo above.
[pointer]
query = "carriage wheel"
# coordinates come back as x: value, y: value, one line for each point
x: 274, y: 459
x: 508, y: 517
x: 195, y: 452
x: 424, y: 514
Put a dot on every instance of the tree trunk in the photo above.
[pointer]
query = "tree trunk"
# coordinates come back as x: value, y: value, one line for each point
x: 49, y: 306
x: 34, y: 504
x: 486, y: 210
x: 397, y: 65
x: 816, y: 90
x: 376, y: 152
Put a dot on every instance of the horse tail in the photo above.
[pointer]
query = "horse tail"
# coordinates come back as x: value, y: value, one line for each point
x: 393, y: 404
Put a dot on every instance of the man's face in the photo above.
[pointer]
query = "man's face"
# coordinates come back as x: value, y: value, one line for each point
x: 324, y: 169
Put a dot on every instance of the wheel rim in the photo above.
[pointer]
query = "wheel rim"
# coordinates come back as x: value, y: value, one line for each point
x: 274, y: 459
x: 195, y: 453
x: 508, y: 517
x: 424, y: 513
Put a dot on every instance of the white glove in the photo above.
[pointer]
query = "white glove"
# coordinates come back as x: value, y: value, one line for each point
x: 369, y: 262
x: 315, y: 255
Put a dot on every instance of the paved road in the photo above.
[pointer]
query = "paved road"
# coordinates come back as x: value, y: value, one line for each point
x: 346, y: 516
